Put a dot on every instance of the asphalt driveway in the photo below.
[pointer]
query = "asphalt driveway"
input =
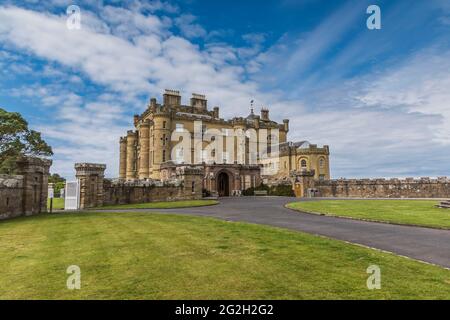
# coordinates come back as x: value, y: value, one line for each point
x: 425, y: 244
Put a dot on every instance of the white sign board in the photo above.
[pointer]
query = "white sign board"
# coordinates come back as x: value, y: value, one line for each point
x: 72, y: 193
x: 51, y: 193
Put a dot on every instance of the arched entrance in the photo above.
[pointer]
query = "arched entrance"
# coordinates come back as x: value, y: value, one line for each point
x: 223, y: 184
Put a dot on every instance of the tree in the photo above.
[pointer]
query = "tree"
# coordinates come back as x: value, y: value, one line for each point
x: 16, y: 140
x: 58, y: 181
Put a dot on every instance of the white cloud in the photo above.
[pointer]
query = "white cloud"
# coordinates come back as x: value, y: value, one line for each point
x: 418, y: 85
x: 130, y: 54
x: 189, y: 28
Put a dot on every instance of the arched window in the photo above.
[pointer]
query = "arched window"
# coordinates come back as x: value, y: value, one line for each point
x: 321, y: 163
x: 193, y: 186
x: 303, y: 164
x: 164, y: 156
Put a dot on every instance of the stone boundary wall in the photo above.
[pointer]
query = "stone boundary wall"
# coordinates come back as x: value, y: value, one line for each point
x: 25, y: 193
x: 11, y: 196
x: 142, y: 191
x: 385, y: 188
x: 96, y: 191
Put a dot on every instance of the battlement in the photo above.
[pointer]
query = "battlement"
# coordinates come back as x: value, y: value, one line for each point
x: 420, y: 180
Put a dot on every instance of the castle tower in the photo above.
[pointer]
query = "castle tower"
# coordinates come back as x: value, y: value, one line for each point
x: 144, y: 152
x: 131, y: 155
x: 123, y: 158
x: 161, y: 146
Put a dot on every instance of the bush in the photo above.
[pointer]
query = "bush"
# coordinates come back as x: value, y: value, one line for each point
x: 206, y: 193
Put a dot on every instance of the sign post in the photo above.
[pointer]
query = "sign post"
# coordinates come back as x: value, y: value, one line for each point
x: 51, y: 194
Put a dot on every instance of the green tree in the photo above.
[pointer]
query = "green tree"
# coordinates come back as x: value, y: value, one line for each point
x: 16, y: 139
x: 58, y: 181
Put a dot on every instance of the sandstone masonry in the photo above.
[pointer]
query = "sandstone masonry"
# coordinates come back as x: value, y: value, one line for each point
x: 25, y: 193
x: 96, y: 191
x: 305, y: 185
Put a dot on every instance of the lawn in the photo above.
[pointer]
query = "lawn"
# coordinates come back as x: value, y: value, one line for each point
x: 157, y: 256
x: 413, y: 212
x: 163, y: 205
x: 58, y: 203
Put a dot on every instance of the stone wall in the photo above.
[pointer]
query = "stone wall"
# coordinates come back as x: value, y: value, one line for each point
x: 26, y: 193
x: 11, y: 195
x: 305, y: 185
x: 96, y: 191
x: 385, y: 188
x: 120, y: 192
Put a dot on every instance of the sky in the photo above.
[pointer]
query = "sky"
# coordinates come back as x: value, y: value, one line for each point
x: 379, y: 98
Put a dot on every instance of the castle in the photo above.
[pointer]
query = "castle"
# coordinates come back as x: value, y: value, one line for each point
x: 234, y: 154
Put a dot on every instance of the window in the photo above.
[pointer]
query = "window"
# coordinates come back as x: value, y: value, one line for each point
x: 164, y: 124
x: 213, y: 153
x: 193, y: 186
x: 303, y: 164
x: 164, y: 156
x: 164, y: 139
x: 321, y: 163
x: 321, y: 177
x: 285, y: 164
x: 179, y: 127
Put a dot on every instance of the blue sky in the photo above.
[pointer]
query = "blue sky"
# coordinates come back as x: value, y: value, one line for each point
x: 379, y: 98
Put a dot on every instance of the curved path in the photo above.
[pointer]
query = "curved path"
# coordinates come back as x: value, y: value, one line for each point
x: 425, y: 244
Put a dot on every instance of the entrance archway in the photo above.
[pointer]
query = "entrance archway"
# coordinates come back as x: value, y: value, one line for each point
x: 223, y: 184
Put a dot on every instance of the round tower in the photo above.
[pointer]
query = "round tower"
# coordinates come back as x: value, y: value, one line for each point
x: 123, y: 158
x: 144, y: 152
x: 162, y: 133
x: 131, y: 155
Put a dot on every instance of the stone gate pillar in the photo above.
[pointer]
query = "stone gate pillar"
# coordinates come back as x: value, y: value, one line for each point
x: 302, y: 181
x: 35, y: 173
x: 90, y: 176
x: 192, y: 177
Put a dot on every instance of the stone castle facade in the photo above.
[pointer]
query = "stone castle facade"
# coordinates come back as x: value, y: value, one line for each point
x: 148, y: 151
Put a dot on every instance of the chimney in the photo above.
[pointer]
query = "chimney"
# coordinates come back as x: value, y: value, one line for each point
x: 153, y: 102
x: 264, y: 114
x: 172, y: 98
x: 286, y: 125
x: 199, y: 102
x: 216, y: 112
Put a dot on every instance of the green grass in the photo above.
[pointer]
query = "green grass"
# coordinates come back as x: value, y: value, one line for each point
x: 58, y: 203
x: 412, y: 212
x: 155, y: 256
x: 163, y: 205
